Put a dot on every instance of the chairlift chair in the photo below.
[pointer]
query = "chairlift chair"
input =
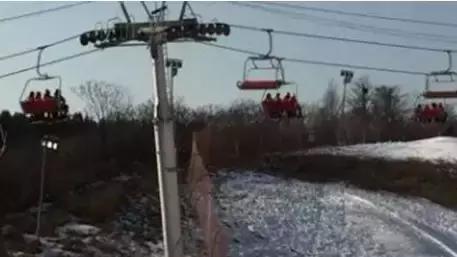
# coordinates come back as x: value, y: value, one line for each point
x: 252, y: 64
x: 45, y: 110
x: 443, y: 95
x: 273, y: 64
x: 268, y: 63
x: 433, y: 94
x: 448, y: 72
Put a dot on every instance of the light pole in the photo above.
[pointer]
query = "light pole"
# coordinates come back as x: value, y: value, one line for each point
x: 47, y: 143
x: 347, y: 77
x: 173, y: 65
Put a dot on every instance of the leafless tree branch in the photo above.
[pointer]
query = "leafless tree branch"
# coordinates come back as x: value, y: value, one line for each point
x: 3, y: 136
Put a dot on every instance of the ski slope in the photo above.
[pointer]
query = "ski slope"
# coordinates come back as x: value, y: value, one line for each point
x: 432, y: 149
x: 270, y: 216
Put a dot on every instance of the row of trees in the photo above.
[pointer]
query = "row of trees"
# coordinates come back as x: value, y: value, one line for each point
x: 368, y: 101
x: 375, y: 112
x: 105, y: 101
x: 367, y: 104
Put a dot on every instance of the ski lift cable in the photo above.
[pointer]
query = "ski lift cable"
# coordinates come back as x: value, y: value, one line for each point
x: 350, y: 25
x: 66, y: 58
x: 316, y: 62
x: 344, y: 39
x: 24, y: 52
x: 364, y: 15
x: 43, y: 11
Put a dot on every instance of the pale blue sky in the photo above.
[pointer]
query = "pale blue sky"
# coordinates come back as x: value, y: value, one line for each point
x: 209, y: 75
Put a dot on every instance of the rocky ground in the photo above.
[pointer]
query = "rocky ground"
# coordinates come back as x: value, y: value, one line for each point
x: 120, y: 217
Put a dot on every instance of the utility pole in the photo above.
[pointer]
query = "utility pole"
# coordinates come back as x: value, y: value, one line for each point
x: 156, y: 34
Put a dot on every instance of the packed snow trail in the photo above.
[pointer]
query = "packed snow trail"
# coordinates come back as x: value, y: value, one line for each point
x: 270, y: 216
x: 431, y: 149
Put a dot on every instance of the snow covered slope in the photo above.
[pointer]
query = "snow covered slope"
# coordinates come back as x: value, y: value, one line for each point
x: 269, y: 216
x: 432, y: 149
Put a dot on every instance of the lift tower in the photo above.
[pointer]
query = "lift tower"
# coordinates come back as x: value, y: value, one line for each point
x: 156, y: 33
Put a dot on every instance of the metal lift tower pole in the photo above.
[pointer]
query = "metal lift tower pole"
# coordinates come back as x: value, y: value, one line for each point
x: 156, y: 33
x: 166, y: 157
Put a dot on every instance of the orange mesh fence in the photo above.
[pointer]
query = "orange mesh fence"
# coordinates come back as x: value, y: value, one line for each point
x: 219, y: 147
x: 216, y: 238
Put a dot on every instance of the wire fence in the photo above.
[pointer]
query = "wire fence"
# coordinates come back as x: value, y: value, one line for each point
x: 213, y: 148
x: 216, y: 239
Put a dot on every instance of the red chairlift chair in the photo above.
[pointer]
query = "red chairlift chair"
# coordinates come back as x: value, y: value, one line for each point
x: 44, y: 110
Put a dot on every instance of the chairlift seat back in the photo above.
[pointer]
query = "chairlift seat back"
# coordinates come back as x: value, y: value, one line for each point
x: 260, y: 84
x: 440, y: 94
x: 39, y: 106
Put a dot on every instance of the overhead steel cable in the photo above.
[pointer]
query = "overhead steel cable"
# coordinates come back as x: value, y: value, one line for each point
x: 39, y: 12
x: 13, y: 55
x: 345, y: 39
x: 9, y: 56
x: 66, y: 58
x: 315, y: 62
x: 350, y: 25
x: 364, y: 15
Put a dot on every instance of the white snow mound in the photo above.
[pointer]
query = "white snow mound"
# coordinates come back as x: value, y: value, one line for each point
x: 79, y: 229
x: 431, y: 149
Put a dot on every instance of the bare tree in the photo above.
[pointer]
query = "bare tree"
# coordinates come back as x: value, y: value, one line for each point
x: 388, y: 103
x: 103, y: 100
x: 359, y: 101
x: 2, y: 141
x: 330, y: 101
x: 359, y: 98
x: 144, y: 112
x: 243, y: 111
x: 325, y: 118
x: 3, y: 251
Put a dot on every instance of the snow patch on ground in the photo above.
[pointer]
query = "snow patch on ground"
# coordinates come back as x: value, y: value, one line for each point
x: 270, y: 216
x: 79, y: 229
x: 431, y: 149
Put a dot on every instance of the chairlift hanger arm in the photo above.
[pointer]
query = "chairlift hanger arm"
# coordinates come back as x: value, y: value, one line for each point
x: 183, y: 10
x: 449, y: 56
x: 40, y: 76
x: 448, y: 70
x: 270, y: 42
x: 40, y: 53
x: 146, y: 9
x: 126, y: 13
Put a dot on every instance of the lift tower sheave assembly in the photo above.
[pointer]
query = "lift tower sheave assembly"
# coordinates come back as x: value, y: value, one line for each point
x: 156, y: 33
